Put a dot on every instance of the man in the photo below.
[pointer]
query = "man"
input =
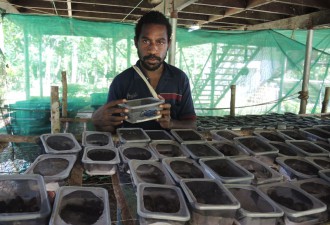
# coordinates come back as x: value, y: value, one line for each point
x: 152, y: 40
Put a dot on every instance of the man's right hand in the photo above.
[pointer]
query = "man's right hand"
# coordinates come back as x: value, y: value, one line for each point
x: 108, y: 117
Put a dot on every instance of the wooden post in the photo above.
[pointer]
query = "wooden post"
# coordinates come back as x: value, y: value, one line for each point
x: 64, y: 95
x: 232, y: 99
x: 326, y: 100
x: 55, y: 110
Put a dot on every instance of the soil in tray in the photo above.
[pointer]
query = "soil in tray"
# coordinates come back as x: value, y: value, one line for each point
x: 316, y: 188
x: 259, y: 171
x: 227, y: 135
x: 284, y: 149
x: 301, y: 166
x: 208, y: 193
x: 224, y: 169
x: 51, y: 166
x: 18, y: 205
x: 81, y: 208
x: 305, y: 146
x: 201, y: 150
x: 97, y: 139
x: 165, y: 201
x: 101, y: 154
x: 290, y: 198
x: 158, y: 135
x: 188, y: 135
x: 169, y: 150
x: 60, y: 143
x: 294, y: 134
x: 186, y: 169
x: 255, y: 145
x: 227, y: 149
x: 132, y: 135
x: 325, y: 164
x: 151, y: 174
x: 272, y: 136
x: 251, y: 201
x: 137, y: 153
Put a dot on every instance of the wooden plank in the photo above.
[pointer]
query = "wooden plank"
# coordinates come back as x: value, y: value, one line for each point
x: 55, y: 111
x: 18, y: 139
x: 64, y: 95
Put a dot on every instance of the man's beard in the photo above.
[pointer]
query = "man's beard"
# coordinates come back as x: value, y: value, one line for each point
x: 148, y: 66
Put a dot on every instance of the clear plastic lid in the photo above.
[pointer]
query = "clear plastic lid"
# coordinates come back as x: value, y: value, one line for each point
x: 60, y: 143
x: 96, y: 138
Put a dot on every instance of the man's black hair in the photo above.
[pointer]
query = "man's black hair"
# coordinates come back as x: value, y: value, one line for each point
x: 153, y: 17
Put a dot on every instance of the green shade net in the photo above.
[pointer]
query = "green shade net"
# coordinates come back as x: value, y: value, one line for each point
x: 266, y: 66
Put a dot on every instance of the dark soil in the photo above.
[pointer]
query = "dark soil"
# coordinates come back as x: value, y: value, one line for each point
x: 60, y: 143
x: 186, y: 169
x: 223, y: 168
x: 101, y: 154
x: 201, y: 150
x: 316, y: 188
x: 259, y: 171
x: 255, y: 145
x: 158, y: 135
x: 18, y: 205
x: 301, y: 166
x: 169, y: 150
x: 137, y: 153
x: 132, y: 135
x: 161, y: 200
x: 272, y: 136
x: 227, y: 135
x: 284, y: 149
x: 325, y: 164
x: 151, y: 174
x: 188, y: 135
x: 227, y: 149
x: 97, y: 139
x: 51, y: 166
x: 307, y: 147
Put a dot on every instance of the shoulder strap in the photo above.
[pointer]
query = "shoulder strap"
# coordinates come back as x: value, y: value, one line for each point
x: 151, y: 89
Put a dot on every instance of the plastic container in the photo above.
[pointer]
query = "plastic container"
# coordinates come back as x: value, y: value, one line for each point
x: 60, y: 143
x: 270, y: 135
x: 226, y: 170
x: 145, y: 171
x: 320, y: 189
x: 262, y: 173
x: 81, y: 205
x: 284, y: 149
x: 307, y: 148
x: 220, y: 135
x: 322, y: 163
x: 100, y: 160
x: 209, y: 202
x: 143, y: 109
x: 164, y: 149
x: 323, y: 127
x: 52, y: 167
x: 161, y: 204
x: 228, y: 148
x: 139, y: 151
x: 325, y: 174
x: 294, y: 167
x: 184, y: 168
x: 292, y: 134
x: 159, y: 135
x: 255, y: 145
x: 127, y: 135
x: 187, y: 135
x: 23, y: 200
x: 324, y: 145
x: 256, y: 208
x: 201, y: 150
x: 314, y: 134
x: 298, y: 206
x: 95, y: 138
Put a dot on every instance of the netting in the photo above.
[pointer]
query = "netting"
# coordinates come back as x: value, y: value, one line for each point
x: 266, y: 67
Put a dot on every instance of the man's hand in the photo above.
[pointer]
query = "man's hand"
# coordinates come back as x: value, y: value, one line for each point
x: 108, y: 116
x: 165, y: 112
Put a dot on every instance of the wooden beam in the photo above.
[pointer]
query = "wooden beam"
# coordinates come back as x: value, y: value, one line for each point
x: 5, y: 5
x: 18, y: 139
x: 181, y: 4
x: 308, y: 21
x: 320, y: 4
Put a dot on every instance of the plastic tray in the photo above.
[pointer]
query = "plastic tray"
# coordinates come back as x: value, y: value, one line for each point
x: 220, y: 135
x: 143, y: 109
x: 296, y: 167
x: 307, y: 148
x: 159, y: 135
x: 127, y: 135
x: 184, y: 168
x: 95, y: 138
x: 209, y: 202
x: 262, y: 172
x: 226, y: 170
x: 187, y: 135
x: 292, y: 134
x: 256, y: 207
x: 145, y: 171
x: 100, y: 160
x: 323, y: 127
x: 201, y: 150
x: 23, y: 200
x: 164, y: 149
x: 139, y: 151
x: 325, y: 174
x: 284, y: 149
x: 52, y: 167
x: 81, y: 205
x: 228, y: 148
x: 161, y: 204
x: 255, y: 145
x: 322, y: 163
x: 298, y: 206
x: 314, y: 134
x: 270, y: 135
x: 61, y: 143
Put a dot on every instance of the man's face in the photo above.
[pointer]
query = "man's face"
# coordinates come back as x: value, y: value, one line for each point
x: 152, y: 46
